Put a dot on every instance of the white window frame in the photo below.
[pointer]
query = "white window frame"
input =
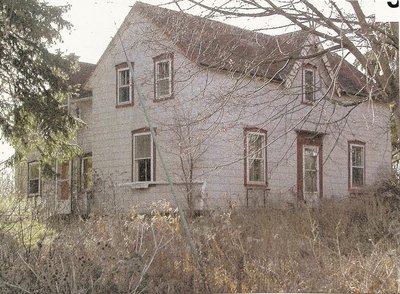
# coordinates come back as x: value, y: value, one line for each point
x: 248, y: 158
x: 30, y: 164
x: 135, y: 175
x: 83, y: 173
x: 169, y: 78
x: 352, y: 165
x: 305, y: 86
x: 316, y: 149
x: 119, y: 86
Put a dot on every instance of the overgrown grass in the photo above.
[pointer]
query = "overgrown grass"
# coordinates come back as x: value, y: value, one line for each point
x: 350, y: 245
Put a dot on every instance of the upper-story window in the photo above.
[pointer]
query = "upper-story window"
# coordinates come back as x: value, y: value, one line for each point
x: 357, y: 164
x: 308, y: 84
x: 256, y: 157
x: 163, y: 76
x: 124, y: 85
x: 34, y: 178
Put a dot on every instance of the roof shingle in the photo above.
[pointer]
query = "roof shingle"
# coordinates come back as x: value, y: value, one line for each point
x: 81, y: 77
x: 219, y: 45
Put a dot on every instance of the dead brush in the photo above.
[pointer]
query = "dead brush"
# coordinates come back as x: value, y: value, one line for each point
x: 349, y: 245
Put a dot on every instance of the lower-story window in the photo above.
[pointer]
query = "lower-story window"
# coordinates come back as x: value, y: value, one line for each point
x: 311, y: 171
x: 309, y: 165
x: 63, y: 180
x: 86, y: 174
x: 34, y: 178
x: 143, y: 157
x: 357, y: 164
x: 256, y: 157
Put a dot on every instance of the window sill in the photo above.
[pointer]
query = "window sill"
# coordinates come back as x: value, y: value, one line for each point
x: 33, y: 195
x: 124, y: 105
x: 257, y: 186
x: 136, y: 185
x: 86, y: 191
x: 145, y: 185
x: 357, y: 189
x: 163, y: 98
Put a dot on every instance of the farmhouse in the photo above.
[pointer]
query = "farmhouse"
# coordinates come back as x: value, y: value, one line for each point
x: 239, y: 117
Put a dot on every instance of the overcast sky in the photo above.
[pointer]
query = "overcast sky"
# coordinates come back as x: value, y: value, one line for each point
x: 94, y: 24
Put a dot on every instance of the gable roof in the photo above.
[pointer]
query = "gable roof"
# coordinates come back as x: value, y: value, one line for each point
x: 222, y: 46
x: 350, y: 79
x: 219, y: 45
x: 81, y: 77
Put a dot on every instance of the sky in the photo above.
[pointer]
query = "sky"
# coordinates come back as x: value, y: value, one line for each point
x: 94, y: 24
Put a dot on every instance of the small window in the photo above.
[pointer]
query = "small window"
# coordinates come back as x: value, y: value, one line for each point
x: 357, y: 165
x: 124, y: 86
x: 308, y: 85
x: 34, y: 178
x: 143, y: 157
x: 163, y: 76
x: 255, y: 165
x: 63, y: 180
x: 86, y: 174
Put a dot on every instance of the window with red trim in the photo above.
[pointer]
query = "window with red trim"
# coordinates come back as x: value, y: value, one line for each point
x: 125, y: 87
x: 143, y: 156
x: 163, y: 76
x: 255, y: 157
x: 308, y: 84
x: 34, y: 180
x: 357, y: 165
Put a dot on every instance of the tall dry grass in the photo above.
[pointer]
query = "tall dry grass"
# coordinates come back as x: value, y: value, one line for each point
x: 350, y: 245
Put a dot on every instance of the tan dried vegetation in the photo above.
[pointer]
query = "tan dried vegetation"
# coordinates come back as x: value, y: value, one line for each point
x: 350, y: 245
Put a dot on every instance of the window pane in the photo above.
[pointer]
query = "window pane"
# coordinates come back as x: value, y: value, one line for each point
x: 123, y: 94
x: 124, y: 77
x: 142, y: 146
x: 163, y: 70
x: 163, y: 88
x: 87, y: 165
x: 64, y: 171
x: 358, y: 177
x: 256, y: 149
x: 256, y: 170
x: 65, y: 190
x: 87, y: 175
x: 309, y: 85
x: 143, y: 170
x: 33, y: 178
x: 34, y: 170
x: 308, y: 77
x: 310, y: 169
x: 310, y: 181
x: 357, y: 155
x: 310, y: 158
x: 34, y: 186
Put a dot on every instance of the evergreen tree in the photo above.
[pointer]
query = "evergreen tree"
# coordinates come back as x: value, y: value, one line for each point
x: 34, y: 81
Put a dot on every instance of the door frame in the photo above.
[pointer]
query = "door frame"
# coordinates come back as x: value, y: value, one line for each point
x: 308, y: 138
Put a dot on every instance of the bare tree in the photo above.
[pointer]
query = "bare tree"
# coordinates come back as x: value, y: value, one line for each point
x: 342, y: 26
